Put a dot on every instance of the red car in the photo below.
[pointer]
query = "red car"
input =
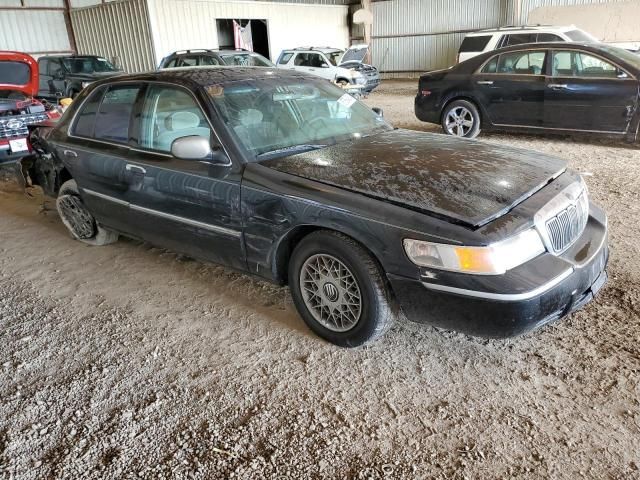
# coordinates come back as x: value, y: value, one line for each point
x: 19, y: 83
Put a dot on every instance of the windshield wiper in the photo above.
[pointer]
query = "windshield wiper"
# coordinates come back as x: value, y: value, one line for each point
x: 292, y: 149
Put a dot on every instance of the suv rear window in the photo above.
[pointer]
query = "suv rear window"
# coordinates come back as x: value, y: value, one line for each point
x: 15, y: 73
x: 578, y: 36
x: 474, y: 44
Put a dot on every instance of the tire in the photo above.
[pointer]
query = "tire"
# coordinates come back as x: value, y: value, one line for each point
x: 461, y: 118
x: 77, y: 218
x: 361, y: 277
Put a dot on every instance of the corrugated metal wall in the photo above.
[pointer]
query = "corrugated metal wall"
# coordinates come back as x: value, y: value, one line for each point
x: 527, y: 6
x: 118, y: 31
x: 33, y: 31
x: 410, y: 36
x: 183, y: 24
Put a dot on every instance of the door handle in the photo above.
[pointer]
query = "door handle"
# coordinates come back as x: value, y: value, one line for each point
x: 485, y: 82
x: 69, y: 153
x: 557, y: 85
x: 135, y: 169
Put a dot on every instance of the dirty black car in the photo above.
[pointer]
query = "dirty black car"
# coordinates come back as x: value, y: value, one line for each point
x: 285, y: 176
x: 537, y: 88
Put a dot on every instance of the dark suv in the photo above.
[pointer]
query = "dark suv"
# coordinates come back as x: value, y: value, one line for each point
x: 214, y: 58
x: 66, y: 76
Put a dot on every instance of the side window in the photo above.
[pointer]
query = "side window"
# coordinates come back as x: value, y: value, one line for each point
x: 114, y: 114
x: 86, y: 119
x: 208, y: 60
x: 522, y: 63
x: 169, y: 113
x: 189, y: 61
x: 285, y: 57
x: 172, y: 64
x: 549, y: 37
x: 54, y: 67
x: 491, y: 66
x: 310, y: 59
x: 519, y: 38
x: 579, y: 64
x: 43, y: 66
x: 474, y: 44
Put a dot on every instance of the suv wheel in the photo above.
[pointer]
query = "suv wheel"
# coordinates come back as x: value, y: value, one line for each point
x: 78, y: 219
x: 462, y: 119
x: 339, y: 289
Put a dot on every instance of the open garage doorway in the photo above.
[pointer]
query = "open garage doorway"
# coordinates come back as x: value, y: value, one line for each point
x: 255, y: 34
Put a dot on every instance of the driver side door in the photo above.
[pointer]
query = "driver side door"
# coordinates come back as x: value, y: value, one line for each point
x: 184, y: 205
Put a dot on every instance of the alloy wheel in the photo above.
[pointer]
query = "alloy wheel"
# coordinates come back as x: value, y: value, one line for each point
x: 330, y: 292
x: 459, y: 121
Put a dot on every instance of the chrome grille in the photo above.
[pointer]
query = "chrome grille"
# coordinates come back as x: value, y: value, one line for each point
x: 567, y: 225
x: 16, y: 125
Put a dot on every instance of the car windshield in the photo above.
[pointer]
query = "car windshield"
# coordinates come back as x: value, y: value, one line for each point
x: 246, y: 60
x: 580, y: 36
x: 88, y: 65
x: 279, y: 116
x: 334, y: 57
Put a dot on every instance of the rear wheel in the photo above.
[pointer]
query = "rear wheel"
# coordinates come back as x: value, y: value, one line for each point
x: 339, y: 289
x: 462, y: 119
x: 78, y: 219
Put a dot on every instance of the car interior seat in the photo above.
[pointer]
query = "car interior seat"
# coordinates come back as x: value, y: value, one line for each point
x: 180, y: 124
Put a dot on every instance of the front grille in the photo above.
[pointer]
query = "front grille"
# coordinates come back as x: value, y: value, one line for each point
x: 565, y: 227
x: 16, y: 125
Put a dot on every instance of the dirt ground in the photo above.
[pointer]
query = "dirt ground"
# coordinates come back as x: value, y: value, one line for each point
x: 128, y: 361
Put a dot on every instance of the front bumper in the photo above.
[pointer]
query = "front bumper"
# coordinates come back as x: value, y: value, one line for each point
x: 512, y: 304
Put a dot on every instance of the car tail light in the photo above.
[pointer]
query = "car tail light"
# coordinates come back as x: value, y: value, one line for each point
x: 458, y: 58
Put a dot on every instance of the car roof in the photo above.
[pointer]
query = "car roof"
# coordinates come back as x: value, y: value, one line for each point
x: 196, y: 77
x: 525, y: 29
x: 314, y: 49
x: 208, y: 50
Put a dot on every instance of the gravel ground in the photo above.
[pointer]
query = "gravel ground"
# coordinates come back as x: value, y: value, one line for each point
x: 128, y: 361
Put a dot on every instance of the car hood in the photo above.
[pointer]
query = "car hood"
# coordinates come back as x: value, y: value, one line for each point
x: 355, y: 53
x: 466, y: 181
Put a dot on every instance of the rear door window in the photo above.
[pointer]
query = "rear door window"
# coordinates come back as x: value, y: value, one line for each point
x: 86, y: 119
x: 114, y: 114
x: 522, y: 63
x: 519, y: 38
x: 474, y: 44
x: 549, y: 37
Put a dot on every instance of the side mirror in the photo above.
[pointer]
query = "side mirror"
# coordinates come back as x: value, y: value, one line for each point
x: 195, y: 147
x: 324, y: 65
x: 378, y: 111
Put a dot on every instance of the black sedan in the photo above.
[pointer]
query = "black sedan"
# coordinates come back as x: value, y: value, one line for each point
x: 542, y: 87
x: 283, y: 175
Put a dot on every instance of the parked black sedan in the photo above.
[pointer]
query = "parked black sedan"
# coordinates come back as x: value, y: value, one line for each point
x: 285, y: 176
x: 542, y: 87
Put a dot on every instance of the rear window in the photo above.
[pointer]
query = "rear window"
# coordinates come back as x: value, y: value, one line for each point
x: 14, y: 73
x: 474, y: 44
x: 578, y: 36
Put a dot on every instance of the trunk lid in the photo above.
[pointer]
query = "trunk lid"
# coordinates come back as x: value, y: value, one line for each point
x: 18, y: 73
x: 464, y: 181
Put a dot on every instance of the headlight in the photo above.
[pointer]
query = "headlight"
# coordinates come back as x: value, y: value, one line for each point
x: 360, y: 80
x: 493, y: 259
x: 86, y: 84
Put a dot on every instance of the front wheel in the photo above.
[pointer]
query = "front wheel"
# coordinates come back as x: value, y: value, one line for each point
x: 462, y: 119
x: 339, y: 289
x: 77, y: 218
